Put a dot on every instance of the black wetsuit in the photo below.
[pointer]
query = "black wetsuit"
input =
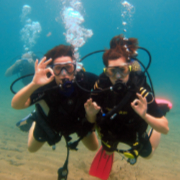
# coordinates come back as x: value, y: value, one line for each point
x: 127, y: 126
x: 66, y: 114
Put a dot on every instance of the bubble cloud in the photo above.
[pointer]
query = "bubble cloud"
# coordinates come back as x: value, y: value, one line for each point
x: 72, y: 19
x: 31, y: 29
x: 127, y: 10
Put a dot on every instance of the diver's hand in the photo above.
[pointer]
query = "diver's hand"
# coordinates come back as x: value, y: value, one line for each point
x: 140, y: 105
x: 41, y: 70
x: 91, y: 109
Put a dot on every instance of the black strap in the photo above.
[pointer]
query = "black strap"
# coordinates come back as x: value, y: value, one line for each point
x: 111, y: 114
x: 50, y: 133
x: 41, y: 120
x: 63, y: 171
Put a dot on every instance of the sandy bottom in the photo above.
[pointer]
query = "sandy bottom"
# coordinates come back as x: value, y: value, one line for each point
x: 17, y: 163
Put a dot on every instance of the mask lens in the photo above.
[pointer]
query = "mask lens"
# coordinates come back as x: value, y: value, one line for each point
x: 112, y: 71
x: 124, y: 69
x: 69, y: 68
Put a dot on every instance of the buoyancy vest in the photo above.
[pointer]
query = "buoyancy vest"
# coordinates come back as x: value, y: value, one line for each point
x: 126, y: 123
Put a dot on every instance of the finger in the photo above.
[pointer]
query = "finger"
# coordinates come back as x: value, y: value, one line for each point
x: 139, y: 96
x: 136, y: 102
x: 36, y: 64
x: 51, y: 78
x: 96, y: 106
x: 49, y: 70
x: 48, y: 61
x: 42, y: 60
x: 89, y: 102
x: 142, y: 99
x: 90, y: 99
x: 85, y: 104
x: 133, y: 106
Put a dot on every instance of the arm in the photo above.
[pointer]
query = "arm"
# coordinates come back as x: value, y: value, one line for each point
x: 140, y: 107
x: 159, y: 124
x: 13, y: 69
x: 21, y: 100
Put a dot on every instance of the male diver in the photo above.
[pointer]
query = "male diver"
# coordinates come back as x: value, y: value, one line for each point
x: 58, y: 100
x: 126, y: 109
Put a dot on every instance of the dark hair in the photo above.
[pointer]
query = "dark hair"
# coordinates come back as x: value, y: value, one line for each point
x: 120, y: 47
x: 59, y: 51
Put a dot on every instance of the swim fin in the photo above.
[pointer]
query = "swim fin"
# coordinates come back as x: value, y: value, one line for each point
x: 101, y: 165
x: 25, y: 123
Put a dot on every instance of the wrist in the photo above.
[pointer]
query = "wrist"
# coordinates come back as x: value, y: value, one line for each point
x: 144, y: 116
x: 90, y: 118
x: 34, y: 86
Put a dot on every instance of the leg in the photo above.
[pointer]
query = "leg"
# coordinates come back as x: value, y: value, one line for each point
x: 91, y: 141
x: 154, y: 140
x: 33, y: 144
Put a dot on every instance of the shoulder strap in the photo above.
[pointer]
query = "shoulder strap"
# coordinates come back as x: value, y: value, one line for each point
x: 112, y: 114
x: 137, y: 79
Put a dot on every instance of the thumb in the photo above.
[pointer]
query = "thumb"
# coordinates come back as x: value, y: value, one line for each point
x: 85, y: 104
x: 35, y: 65
x: 132, y: 105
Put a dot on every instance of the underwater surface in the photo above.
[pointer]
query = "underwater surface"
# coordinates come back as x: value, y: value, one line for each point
x: 31, y: 25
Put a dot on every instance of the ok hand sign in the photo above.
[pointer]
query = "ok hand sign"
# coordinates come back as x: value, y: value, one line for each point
x: 140, y: 105
x: 40, y: 78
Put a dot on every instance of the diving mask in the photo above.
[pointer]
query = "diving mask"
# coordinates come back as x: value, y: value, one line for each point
x: 70, y: 68
x: 113, y: 71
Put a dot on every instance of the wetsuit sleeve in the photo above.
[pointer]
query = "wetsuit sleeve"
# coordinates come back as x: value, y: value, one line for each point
x: 37, y: 96
x: 42, y: 92
x: 154, y: 110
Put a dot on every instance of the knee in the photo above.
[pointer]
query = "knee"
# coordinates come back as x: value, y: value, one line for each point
x: 94, y: 147
x: 150, y: 155
x: 32, y: 149
x: 34, y: 146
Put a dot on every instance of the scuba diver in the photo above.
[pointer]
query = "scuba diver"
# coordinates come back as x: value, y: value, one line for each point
x: 59, y: 102
x: 126, y: 109
x: 23, y: 66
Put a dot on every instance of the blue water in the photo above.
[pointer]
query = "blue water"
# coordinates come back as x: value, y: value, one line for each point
x: 155, y: 23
